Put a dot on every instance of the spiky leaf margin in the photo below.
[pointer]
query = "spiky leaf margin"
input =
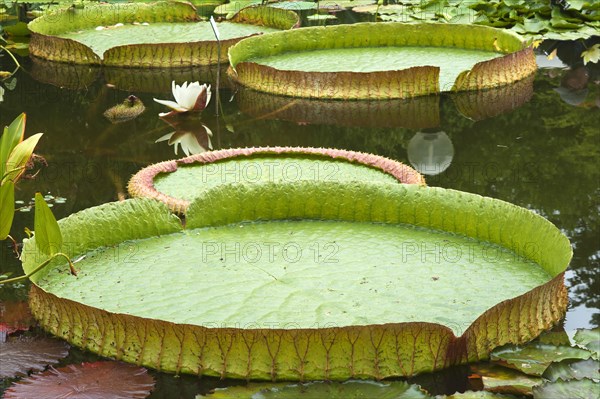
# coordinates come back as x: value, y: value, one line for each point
x: 517, y: 63
x: 142, y: 183
x: 370, y: 351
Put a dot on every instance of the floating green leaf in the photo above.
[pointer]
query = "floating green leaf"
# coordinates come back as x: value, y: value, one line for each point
x: 589, y: 339
x: 233, y: 7
x: 48, y: 237
x: 534, y: 358
x: 348, y: 61
x: 573, y: 369
x: 295, y: 5
x: 138, y: 252
x: 319, y: 389
x: 500, y: 379
x: 556, y: 338
x: 572, y: 389
x: 157, y: 34
x: 478, y: 395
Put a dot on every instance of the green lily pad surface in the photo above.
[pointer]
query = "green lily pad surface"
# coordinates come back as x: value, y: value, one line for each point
x: 303, y: 280
x: 182, y: 32
x: 189, y: 181
x: 284, y: 266
x: 372, y: 59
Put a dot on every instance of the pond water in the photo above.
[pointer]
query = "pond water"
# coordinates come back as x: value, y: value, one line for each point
x: 536, y: 146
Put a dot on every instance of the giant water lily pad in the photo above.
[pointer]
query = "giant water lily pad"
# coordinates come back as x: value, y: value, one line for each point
x: 380, y: 61
x: 161, y: 34
x: 304, y: 280
x: 177, y: 183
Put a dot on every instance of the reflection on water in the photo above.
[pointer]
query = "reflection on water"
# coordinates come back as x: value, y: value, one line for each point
x: 190, y: 133
x: 430, y: 153
x: 524, y: 144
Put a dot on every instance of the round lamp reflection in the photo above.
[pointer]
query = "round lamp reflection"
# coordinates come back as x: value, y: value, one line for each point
x: 430, y: 153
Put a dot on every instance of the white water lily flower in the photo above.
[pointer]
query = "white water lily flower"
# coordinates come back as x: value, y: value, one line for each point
x: 188, y: 98
x: 1, y: 94
x: 591, y: 55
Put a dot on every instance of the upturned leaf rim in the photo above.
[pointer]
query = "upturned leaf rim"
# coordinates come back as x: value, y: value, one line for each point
x: 517, y: 62
x: 142, y: 183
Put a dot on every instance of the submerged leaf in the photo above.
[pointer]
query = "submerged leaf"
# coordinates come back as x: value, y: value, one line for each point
x: 557, y: 338
x: 97, y: 380
x: 500, y: 379
x: 589, y: 339
x: 478, y: 395
x: 572, y: 369
x: 573, y: 389
x: 533, y: 358
x: 22, y: 354
x: 47, y: 233
x: 320, y: 389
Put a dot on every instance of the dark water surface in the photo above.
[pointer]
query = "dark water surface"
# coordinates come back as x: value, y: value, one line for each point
x: 531, y: 144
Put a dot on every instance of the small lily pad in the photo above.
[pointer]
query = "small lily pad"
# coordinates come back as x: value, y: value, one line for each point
x: 573, y: 389
x: 572, y: 369
x: 533, y: 359
x: 557, y: 338
x: 589, y: 339
x: 316, y: 390
x: 500, y: 379
x: 97, y: 380
x: 478, y: 395
x: 22, y: 354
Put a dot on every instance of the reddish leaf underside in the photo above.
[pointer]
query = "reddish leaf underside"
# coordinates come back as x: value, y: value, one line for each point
x: 99, y: 380
x: 14, y: 316
x: 19, y: 355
